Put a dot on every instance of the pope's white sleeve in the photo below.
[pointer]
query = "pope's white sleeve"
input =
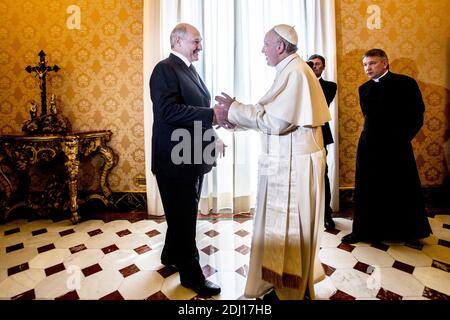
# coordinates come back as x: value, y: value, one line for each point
x: 254, y: 117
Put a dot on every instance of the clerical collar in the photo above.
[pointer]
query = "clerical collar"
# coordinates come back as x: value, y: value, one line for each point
x: 378, y: 79
x: 179, y: 55
x: 283, y: 63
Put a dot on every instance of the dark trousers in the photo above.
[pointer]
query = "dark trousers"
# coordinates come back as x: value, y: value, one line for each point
x: 328, y: 210
x: 180, y: 197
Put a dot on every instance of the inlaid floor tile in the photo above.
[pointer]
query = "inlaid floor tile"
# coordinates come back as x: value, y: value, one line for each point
x: 84, y: 258
x: 112, y: 296
x: 99, y: 284
x: 12, y: 239
x: 403, y: 267
x: 71, y: 240
x: 60, y: 226
x: 173, y: 290
x: 93, y: 269
x: 41, y: 240
x: 72, y: 295
x: 355, y: 283
x: 142, y: 226
x: 115, y: 226
x: 150, y: 260
x: 431, y: 294
x: 372, y: 256
x: 433, y: 278
x: 120, y: 260
x: 8, y: 260
x: 49, y: 258
x: 141, y: 285
x: 325, y: 289
x: 337, y: 258
x: 401, y: 283
x: 437, y: 252
x: 20, y: 282
x: 133, y: 241
x: 57, y: 284
x: 410, y: 256
x: 35, y: 225
x: 38, y: 232
x: 158, y: 296
x: 88, y: 225
x: 54, y: 269
x: 231, y: 286
x: 27, y: 295
x: 102, y: 240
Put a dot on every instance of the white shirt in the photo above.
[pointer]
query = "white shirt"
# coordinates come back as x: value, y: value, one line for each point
x: 179, y: 55
x: 378, y: 79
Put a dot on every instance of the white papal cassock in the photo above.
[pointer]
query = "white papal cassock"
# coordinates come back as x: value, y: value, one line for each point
x: 290, y: 201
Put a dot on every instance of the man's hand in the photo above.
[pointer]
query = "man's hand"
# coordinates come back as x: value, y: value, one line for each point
x: 221, y: 110
x: 225, y: 100
x: 221, y: 117
x: 220, y: 148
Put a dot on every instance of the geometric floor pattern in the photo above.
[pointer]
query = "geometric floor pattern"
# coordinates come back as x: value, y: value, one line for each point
x: 120, y: 260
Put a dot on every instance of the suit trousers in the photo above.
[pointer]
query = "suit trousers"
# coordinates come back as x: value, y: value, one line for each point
x: 180, y: 197
x: 328, y: 210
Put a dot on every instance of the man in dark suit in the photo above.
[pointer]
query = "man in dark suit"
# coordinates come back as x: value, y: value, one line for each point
x: 182, y: 152
x: 388, y: 198
x: 317, y: 63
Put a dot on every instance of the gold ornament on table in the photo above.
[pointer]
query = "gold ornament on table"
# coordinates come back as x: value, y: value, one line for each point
x: 45, y: 123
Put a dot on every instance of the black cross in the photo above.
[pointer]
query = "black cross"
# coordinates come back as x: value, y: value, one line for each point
x: 41, y: 70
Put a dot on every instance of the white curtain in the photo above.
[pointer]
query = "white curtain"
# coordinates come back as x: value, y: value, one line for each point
x: 232, y: 62
x: 152, y: 53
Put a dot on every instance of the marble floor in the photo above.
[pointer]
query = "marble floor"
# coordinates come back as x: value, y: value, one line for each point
x: 120, y: 259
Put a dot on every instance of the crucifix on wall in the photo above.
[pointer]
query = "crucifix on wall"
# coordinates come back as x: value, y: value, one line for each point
x: 45, y: 123
x: 41, y: 70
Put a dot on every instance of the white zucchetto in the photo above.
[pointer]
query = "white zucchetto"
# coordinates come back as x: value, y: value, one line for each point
x: 287, y: 32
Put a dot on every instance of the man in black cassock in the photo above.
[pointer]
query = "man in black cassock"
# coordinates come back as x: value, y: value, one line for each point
x: 388, y: 200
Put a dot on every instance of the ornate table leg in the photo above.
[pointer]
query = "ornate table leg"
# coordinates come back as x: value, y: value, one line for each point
x: 7, y: 187
x: 72, y: 163
x: 110, y: 160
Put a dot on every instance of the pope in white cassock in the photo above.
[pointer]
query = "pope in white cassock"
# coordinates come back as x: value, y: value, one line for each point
x: 290, y: 202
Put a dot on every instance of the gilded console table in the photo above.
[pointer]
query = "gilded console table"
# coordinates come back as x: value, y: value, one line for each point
x: 19, y: 152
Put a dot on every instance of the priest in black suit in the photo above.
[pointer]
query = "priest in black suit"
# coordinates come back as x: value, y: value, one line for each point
x: 388, y: 199
x: 183, y: 150
x: 317, y: 63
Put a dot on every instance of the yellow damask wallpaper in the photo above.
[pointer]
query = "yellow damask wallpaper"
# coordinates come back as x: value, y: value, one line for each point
x: 98, y: 46
x: 415, y: 35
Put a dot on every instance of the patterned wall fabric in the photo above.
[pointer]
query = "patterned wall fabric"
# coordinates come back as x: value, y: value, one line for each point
x: 99, y: 85
x: 415, y: 35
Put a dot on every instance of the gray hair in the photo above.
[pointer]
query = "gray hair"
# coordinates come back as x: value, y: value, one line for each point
x: 179, y: 31
x: 290, y: 48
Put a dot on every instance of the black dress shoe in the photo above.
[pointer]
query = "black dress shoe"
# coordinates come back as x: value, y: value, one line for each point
x: 169, y: 264
x: 329, y: 223
x: 205, y: 288
x: 350, y: 238
x: 271, y: 296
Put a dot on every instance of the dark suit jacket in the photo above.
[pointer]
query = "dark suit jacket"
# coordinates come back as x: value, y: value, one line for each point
x: 329, y: 89
x: 181, y: 102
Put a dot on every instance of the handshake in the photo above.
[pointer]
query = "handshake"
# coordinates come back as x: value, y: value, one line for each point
x: 221, y: 111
